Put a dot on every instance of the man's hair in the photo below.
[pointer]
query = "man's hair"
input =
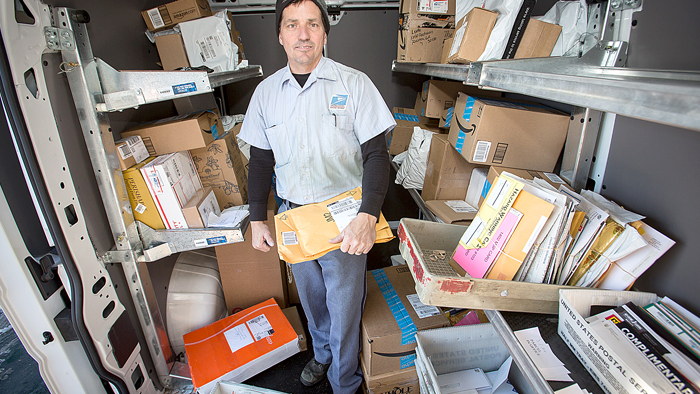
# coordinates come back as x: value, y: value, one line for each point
x: 321, y: 4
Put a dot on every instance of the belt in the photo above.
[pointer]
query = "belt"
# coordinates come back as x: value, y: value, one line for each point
x: 291, y: 205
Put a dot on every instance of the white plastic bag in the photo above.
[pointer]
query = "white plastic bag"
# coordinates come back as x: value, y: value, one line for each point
x: 208, y: 43
x: 507, y: 13
x: 572, y: 16
x: 412, y: 171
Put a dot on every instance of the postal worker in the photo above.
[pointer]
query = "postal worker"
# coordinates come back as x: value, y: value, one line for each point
x: 320, y: 127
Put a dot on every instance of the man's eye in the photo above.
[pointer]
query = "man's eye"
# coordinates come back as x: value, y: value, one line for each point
x: 314, y: 25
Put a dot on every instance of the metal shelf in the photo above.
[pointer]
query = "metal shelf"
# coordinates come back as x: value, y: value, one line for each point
x: 227, y: 77
x: 418, y: 199
x: 591, y: 81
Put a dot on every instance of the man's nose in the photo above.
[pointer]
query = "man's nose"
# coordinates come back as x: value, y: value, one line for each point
x: 304, y: 32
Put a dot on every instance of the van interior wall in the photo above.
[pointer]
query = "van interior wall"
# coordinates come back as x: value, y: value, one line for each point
x: 653, y: 168
x: 363, y: 39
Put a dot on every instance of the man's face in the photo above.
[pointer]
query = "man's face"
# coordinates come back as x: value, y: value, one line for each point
x: 302, y: 35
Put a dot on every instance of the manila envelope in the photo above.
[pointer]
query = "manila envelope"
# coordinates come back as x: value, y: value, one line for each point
x: 303, y: 232
x: 535, y: 213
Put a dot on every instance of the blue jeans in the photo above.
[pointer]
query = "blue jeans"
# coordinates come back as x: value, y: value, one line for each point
x: 332, y: 290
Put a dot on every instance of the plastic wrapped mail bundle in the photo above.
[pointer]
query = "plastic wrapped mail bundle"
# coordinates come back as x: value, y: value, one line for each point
x: 303, y: 233
x: 208, y: 43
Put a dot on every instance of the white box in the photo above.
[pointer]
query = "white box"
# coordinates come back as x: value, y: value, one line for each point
x: 172, y: 180
x: 608, y: 368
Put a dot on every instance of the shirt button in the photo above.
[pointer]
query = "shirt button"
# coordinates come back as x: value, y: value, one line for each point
x: 301, y: 119
x: 308, y: 198
x: 303, y: 173
x: 301, y: 147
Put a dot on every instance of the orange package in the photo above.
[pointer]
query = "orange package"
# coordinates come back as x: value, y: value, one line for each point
x: 240, y: 346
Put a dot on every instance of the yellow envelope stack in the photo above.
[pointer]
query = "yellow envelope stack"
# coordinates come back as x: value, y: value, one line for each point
x: 303, y: 232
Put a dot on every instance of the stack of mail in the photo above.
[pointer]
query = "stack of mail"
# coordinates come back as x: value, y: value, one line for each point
x: 303, y: 233
x: 528, y: 231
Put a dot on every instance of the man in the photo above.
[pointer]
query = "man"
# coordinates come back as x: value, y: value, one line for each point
x: 320, y: 127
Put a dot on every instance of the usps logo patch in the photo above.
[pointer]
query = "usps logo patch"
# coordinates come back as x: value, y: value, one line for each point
x: 339, y: 101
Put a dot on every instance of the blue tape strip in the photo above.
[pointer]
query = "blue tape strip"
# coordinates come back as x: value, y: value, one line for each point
x: 408, y: 329
x: 485, y: 190
x: 410, y: 118
x: 214, y: 132
x: 460, y: 141
x: 468, y: 108
x: 408, y: 361
x: 448, y: 118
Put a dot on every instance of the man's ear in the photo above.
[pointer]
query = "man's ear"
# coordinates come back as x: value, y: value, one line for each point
x: 280, y: 39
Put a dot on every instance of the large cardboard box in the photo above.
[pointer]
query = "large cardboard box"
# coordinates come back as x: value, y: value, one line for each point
x: 508, y: 133
x: 428, y: 7
x: 406, y: 119
x: 220, y: 167
x: 437, y: 96
x: 172, y: 52
x: 170, y: 14
x: 178, y: 133
x: 142, y: 205
x: 421, y: 44
x: 404, y: 381
x: 447, y: 173
x: 495, y: 171
x: 197, y: 210
x: 250, y: 276
x: 130, y: 151
x: 239, y: 346
x: 172, y: 181
x: 447, y: 213
x: 615, y: 373
x: 538, y: 40
x: 390, y: 320
x: 471, y: 35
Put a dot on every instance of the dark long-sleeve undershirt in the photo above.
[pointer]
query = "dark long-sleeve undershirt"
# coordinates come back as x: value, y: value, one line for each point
x: 375, y: 177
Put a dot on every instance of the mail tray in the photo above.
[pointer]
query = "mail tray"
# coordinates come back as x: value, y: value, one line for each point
x: 427, y: 248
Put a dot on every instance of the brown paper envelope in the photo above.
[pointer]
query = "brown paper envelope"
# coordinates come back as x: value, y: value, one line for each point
x: 535, y: 213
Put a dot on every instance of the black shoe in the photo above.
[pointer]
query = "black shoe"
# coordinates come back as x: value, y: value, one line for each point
x: 313, y: 372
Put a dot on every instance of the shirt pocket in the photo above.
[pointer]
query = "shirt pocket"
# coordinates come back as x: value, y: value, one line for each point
x: 278, y: 138
x: 340, y: 136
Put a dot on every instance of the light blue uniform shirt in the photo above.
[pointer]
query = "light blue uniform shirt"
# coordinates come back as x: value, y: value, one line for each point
x: 315, y: 133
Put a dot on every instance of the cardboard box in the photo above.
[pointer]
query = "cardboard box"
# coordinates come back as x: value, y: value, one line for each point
x: 170, y: 14
x: 471, y: 35
x: 196, y: 211
x: 613, y: 374
x: 179, y: 133
x: 292, y: 315
x: 172, y: 181
x: 508, y: 133
x: 446, y: 118
x: 250, y: 276
x: 220, y: 167
x: 406, y: 119
x: 387, y: 345
x: 538, y: 40
x: 434, y: 7
x: 172, y: 52
x: 239, y: 346
x: 130, y: 151
x: 421, y: 44
x: 447, y: 173
x: 449, y: 215
x: 437, y: 96
x: 495, y: 171
x: 397, y: 382
x: 142, y: 205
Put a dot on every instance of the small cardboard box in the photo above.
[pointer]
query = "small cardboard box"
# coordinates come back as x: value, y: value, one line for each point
x: 397, y: 382
x: 613, y: 374
x: 250, y: 276
x: 292, y: 315
x: 142, y: 205
x: 170, y: 14
x: 172, y: 52
x: 420, y: 44
x: 130, y: 151
x: 495, y: 171
x: 446, y: 118
x: 220, y: 167
x: 178, y: 133
x: 196, y: 211
x: 447, y: 173
x: 172, y: 181
x: 240, y: 346
x: 449, y: 215
x: 508, y: 133
x: 390, y: 321
x: 470, y: 37
x: 538, y: 40
x: 437, y: 96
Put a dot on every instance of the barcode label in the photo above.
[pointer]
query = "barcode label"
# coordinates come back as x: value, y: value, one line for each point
x: 481, y: 153
x: 554, y: 178
x: 344, y: 211
x: 260, y: 327
x: 289, y: 238
x: 421, y: 309
x: 140, y: 208
x: 499, y: 153
x: 238, y: 337
x: 460, y: 206
x: 125, y: 151
x: 156, y: 20
x: 498, y: 193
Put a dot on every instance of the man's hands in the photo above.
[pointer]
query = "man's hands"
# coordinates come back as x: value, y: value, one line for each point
x: 359, y: 236
x: 262, y: 238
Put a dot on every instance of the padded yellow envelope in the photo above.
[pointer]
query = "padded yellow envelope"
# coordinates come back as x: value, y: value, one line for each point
x: 303, y: 232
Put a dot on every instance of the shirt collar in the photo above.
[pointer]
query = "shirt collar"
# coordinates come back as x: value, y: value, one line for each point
x: 323, y: 70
